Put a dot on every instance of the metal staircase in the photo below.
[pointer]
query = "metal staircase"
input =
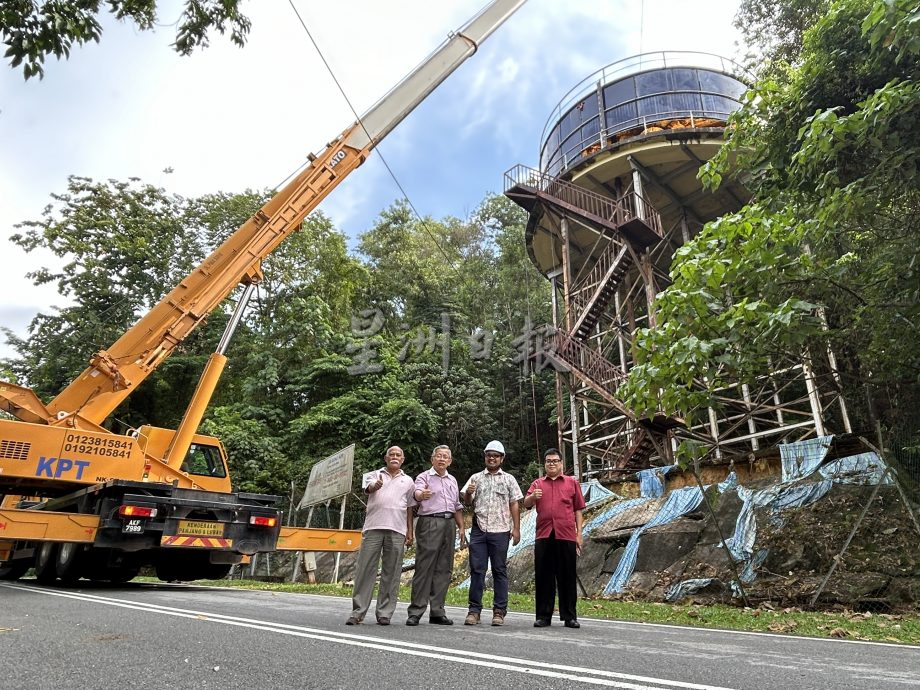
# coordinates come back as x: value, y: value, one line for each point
x: 626, y: 226
x: 595, y: 292
x: 596, y: 371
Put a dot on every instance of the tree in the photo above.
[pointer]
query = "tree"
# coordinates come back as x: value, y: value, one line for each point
x: 33, y: 30
x: 287, y: 398
x: 776, y: 29
x: 122, y: 242
x: 413, y: 264
x: 288, y: 358
x: 826, y: 256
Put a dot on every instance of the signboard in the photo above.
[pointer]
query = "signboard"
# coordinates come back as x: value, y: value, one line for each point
x: 330, y: 478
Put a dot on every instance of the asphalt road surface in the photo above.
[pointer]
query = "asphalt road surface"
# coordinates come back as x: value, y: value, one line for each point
x: 178, y: 636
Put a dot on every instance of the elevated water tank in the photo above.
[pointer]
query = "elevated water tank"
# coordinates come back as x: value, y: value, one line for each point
x: 659, y: 115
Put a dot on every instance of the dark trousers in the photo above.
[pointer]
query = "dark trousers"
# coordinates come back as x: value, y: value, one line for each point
x: 554, y: 569
x: 434, y: 564
x: 486, y: 548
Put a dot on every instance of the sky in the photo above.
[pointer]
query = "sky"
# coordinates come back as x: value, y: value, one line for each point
x: 230, y: 119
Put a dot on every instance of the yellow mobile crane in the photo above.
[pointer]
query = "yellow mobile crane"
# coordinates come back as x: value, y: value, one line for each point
x: 100, y: 504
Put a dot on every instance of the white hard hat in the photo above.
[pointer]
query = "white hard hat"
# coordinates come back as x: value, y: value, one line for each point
x: 495, y: 447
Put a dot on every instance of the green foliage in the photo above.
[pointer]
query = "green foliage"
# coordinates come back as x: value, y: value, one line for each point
x: 730, y: 314
x: 121, y: 243
x: 33, y: 30
x: 258, y: 461
x: 286, y: 399
x: 775, y: 29
x: 827, y: 255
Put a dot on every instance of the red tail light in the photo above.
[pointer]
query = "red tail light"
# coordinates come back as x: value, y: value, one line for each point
x: 137, y: 511
x: 263, y: 521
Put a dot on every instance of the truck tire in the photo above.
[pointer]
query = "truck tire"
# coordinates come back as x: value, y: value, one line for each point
x: 46, y: 562
x: 69, y: 562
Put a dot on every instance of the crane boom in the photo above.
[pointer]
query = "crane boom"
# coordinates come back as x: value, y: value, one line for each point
x: 114, y: 373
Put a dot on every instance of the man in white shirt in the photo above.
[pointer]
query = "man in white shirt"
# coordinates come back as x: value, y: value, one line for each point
x: 386, y: 534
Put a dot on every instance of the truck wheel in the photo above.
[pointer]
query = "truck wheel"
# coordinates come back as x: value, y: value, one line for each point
x: 14, y: 571
x: 45, y: 562
x: 69, y: 562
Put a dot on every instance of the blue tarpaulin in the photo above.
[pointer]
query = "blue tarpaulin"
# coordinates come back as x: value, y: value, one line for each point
x: 612, y: 511
x: 681, y: 589
x: 594, y: 491
x: 865, y: 468
x: 651, y: 481
x: 678, y: 503
x: 802, y: 458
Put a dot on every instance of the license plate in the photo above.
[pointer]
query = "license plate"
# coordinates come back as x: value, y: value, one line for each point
x: 196, y: 528
x: 133, y: 526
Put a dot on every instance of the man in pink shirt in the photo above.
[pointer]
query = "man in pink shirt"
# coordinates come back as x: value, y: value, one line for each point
x: 559, y: 522
x: 387, y: 532
x: 440, y: 514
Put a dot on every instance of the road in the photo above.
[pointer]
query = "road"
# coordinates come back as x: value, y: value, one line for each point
x: 178, y: 636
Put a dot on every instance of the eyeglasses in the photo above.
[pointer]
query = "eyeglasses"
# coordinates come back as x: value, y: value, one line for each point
x: 552, y: 462
x: 494, y: 456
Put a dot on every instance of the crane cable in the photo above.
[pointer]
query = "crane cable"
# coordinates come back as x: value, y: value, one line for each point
x: 402, y: 191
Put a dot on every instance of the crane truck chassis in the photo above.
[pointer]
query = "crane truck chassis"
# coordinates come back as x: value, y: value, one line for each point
x: 81, y: 501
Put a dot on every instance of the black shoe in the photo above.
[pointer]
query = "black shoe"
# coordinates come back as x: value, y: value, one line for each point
x: 412, y: 620
x: 440, y: 620
x: 353, y: 621
x: 541, y: 623
x: 572, y: 624
x: 383, y: 621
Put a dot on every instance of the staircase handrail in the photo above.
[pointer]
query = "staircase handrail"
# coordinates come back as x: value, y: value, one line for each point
x: 588, y: 361
x: 615, y: 211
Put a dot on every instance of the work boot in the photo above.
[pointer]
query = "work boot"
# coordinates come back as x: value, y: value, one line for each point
x: 472, y: 618
x: 498, y: 618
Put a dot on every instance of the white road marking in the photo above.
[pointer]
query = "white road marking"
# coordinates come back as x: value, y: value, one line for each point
x: 590, y: 676
x: 677, y: 626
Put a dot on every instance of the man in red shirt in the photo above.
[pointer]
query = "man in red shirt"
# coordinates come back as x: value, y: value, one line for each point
x: 559, y: 522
